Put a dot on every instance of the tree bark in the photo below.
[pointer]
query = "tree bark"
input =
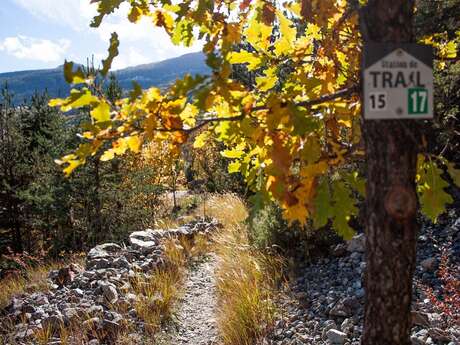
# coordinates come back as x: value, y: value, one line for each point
x: 391, y: 202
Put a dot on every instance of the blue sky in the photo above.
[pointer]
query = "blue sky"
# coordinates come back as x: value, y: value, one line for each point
x: 38, y: 34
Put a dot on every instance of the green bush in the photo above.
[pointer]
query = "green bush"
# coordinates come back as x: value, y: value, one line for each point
x: 268, y: 229
x: 267, y: 226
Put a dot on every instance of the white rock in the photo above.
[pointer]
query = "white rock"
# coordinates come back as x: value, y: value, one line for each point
x: 336, y: 337
x: 357, y: 244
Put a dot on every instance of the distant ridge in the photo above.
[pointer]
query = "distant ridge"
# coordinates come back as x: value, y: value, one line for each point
x: 24, y: 84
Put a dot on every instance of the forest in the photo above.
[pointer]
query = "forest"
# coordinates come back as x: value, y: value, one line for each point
x: 252, y: 205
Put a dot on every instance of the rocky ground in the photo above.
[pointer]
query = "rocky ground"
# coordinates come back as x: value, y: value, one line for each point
x: 196, y: 323
x: 97, y: 299
x: 325, y: 304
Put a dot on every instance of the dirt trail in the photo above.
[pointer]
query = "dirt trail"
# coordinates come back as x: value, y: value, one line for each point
x: 196, y: 323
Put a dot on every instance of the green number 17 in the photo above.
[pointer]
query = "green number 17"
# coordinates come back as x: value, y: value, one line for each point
x: 417, y: 101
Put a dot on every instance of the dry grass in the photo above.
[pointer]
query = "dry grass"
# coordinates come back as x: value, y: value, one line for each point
x: 35, y: 279
x: 246, y: 278
x: 159, y: 294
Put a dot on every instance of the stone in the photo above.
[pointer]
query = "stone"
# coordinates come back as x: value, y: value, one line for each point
x: 336, y: 337
x: 340, y: 250
x: 144, y: 247
x: 347, y: 325
x: 339, y: 309
x: 146, y: 235
x: 109, y: 292
x: 98, y: 263
x: 416, y: 340
x: 438, y: 334
x: 328, y: 325
x: 357, y: 244
x: 420, y: 319
x: 429, y: 264
x: 103, y: 251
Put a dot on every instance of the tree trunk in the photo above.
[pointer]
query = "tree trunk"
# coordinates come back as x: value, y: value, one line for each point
x: 391, y: 202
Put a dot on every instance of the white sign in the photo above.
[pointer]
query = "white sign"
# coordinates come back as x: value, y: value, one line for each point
x: 398, y: 81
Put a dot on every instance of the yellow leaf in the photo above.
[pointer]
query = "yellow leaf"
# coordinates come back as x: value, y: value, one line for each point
x: 258, y: 34
x: 268, y: 81
x: 234, y: 167
x: 135, y: 14
x: 313, y: 31
x: 107, y: 155
x: 120, y: 146
x: 134, y: 143
x: 297, y: 212
x: 236, y: 152
x: 288, y: 35
x: 72, y: 165
x: 102, y: 112
x: 200, y: 140
x: 72, y: 77
x: 244, y: 57
x: 188, y: 115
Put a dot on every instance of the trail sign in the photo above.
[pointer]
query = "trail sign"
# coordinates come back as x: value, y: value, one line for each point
x: 398, y: 81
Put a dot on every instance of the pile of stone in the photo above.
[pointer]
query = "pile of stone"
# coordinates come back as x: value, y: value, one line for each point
x: 326, y: 301
x: 98, y: 296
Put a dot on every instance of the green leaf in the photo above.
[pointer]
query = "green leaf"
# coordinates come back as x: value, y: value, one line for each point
x: 356, y: 182
x: 433, y: 198
x: 311, y: 151
x: 113, y: 52
x: 322, y: 204
x: 105, y: 7
x: 344, y: 208
x: 183, y: 33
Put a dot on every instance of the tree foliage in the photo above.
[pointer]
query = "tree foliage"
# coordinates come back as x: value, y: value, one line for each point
x: 292, y: 135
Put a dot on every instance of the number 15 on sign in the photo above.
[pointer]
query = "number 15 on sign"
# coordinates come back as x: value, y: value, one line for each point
x: 378, y: 101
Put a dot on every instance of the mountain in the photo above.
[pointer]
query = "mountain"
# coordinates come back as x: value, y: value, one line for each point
x: 23, y: 84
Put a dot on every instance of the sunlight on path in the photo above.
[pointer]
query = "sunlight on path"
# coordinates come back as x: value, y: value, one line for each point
x: 196, y: 313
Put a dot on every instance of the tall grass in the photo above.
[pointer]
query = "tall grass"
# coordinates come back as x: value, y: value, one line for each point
x: 246, y: 277
x: 34, y: 279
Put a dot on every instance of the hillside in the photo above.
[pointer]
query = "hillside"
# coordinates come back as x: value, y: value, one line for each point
x: 24, y: 83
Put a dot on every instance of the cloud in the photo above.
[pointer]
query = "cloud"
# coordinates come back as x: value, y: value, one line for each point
x: 140, y: 43
x: 132, y: 57
x: 74, y: 13
x: 23, y: 47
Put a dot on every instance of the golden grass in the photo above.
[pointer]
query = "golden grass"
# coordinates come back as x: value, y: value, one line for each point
x: 35, y: 279
x: 161, y: 291
x: 246, y: 278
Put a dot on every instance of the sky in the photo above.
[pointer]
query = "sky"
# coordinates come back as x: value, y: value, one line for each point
x: 38, y: 34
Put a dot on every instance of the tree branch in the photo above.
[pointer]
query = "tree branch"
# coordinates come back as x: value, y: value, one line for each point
x: 347, y: 92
